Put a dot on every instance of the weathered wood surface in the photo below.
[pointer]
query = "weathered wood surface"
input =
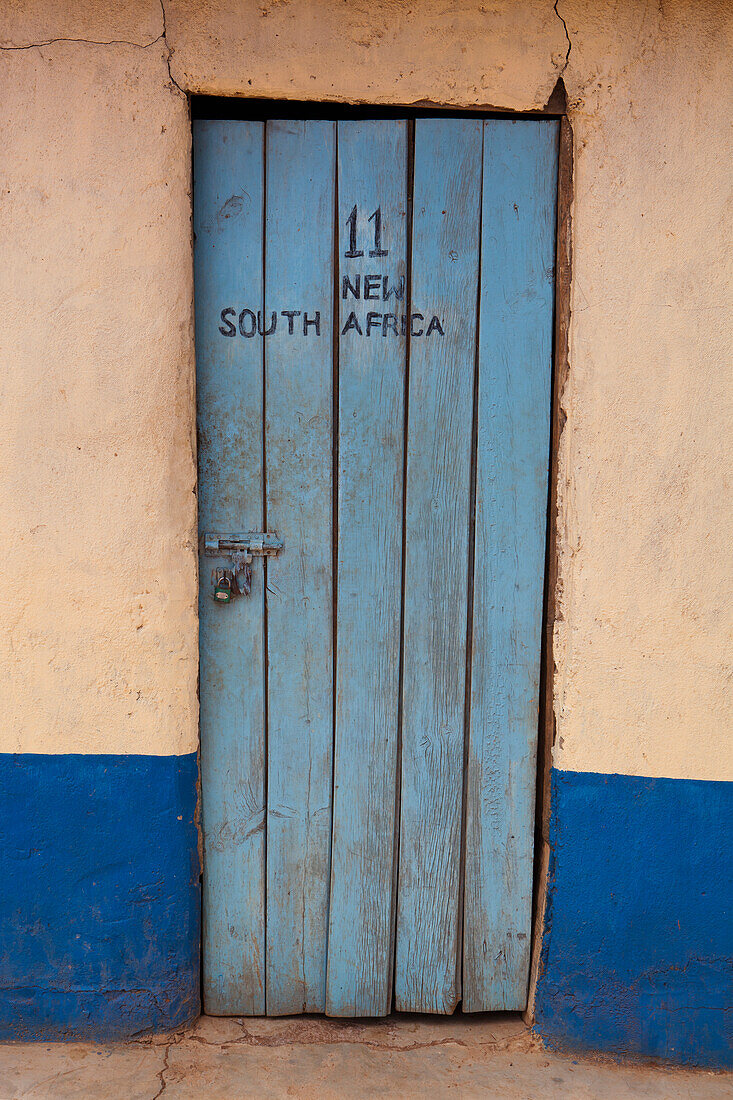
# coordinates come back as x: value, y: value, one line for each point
x: 267, y: 245
x: 372, y: 175
x: 515, y: 349
x: 299, y: 272
x: 445, y: 261
x: 228, y: 220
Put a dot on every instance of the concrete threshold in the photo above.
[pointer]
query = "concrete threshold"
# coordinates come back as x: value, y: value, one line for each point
x: 312, y: 1058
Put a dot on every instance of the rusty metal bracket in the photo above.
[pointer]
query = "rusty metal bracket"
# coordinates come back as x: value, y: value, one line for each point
x: 261, y: 543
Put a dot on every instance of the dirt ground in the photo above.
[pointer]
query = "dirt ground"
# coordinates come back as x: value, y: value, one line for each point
x: 308, y: 1057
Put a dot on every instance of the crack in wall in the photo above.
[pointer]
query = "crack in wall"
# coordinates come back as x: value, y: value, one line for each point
x: 162, y: 37
x: 169, y: 52
x: 86, y: 42
x: 567, y: 36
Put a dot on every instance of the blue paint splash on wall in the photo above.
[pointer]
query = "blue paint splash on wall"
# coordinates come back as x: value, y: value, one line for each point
x: 638, y: 944
x: 99, y: 895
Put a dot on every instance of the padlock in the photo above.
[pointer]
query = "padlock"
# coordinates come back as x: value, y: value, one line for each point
x: 223, y: 587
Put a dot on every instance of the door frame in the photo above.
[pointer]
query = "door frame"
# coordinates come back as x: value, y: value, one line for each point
x: 235, y: 108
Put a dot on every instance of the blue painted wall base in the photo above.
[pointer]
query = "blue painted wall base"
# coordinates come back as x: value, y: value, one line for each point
x: 100, y: 907
x: 638, y: 939
x: 99, y: 895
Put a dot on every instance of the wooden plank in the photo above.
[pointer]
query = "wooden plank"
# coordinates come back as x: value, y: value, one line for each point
x: 228, y: 221
x: 372, y: 177
x: 515, y: 348
x: 299, y: 412
x: 445, y: 260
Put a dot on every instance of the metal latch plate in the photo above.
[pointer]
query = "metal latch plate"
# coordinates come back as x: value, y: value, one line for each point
x: 261, y: 543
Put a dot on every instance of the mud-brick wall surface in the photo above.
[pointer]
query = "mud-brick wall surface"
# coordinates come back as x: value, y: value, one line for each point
x: 97, y: 461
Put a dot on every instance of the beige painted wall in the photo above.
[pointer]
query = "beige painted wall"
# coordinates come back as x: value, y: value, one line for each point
x: 97, y: 544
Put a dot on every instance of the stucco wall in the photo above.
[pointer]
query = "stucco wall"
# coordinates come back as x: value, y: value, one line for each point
x: 97, y: 544
x: 98, y: 622
x: 643, y: 683
x: 96, y: 324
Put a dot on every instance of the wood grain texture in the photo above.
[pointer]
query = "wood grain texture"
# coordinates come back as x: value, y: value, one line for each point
x: 300, y: 168
x: 372, y: 174
x: 265, y: 195
x: 228, y: 220
x: 515, y: 360
x: 445, y: 260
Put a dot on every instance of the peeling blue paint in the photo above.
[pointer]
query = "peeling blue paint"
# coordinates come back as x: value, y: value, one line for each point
x: 99, y: 895
x: 638, y: 943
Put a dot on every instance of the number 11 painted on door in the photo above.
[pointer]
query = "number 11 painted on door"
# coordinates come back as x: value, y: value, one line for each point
x: 353, y: 252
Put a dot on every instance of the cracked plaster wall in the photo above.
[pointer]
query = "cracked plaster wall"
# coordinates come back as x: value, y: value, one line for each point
x: 98, y: 615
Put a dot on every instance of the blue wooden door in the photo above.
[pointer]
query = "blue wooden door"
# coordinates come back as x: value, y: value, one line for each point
x: 373, y: 346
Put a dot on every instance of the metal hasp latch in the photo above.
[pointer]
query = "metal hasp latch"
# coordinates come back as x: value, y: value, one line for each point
x: 240, y: 549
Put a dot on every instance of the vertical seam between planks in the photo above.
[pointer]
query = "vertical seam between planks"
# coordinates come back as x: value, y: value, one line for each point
x: 405, y: 438
x: 336, y: 324
x: 265, y: 623
x: 470, y: 586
